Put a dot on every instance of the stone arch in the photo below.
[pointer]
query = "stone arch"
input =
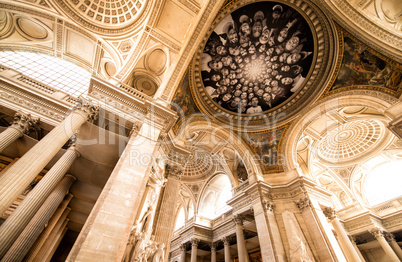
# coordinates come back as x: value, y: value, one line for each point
x: 367, y: 98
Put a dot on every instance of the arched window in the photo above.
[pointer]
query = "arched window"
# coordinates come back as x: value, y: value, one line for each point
x: 54, y: 72
x: 180, y: 220
x: 384, y: 183
x: 215, y: 196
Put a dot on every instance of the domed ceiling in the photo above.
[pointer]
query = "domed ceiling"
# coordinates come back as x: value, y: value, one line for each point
x: 105, y: 16
x: 262, y: 59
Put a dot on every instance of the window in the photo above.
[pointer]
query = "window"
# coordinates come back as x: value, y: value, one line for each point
x: 181, y: 217
x: 384, y: 183
x: 51, y: 71
x: 218, y: 191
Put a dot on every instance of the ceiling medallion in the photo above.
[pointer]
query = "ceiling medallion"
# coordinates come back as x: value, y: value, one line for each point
x: 260, y: 59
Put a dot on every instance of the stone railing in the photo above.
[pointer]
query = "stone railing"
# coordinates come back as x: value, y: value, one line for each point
x: 388, y: 207
x: 240, y: 187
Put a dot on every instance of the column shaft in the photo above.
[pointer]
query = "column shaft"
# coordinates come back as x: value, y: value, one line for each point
x: 8, y: 136
x: 345, y: 241
x: 183, y: 255
x: 226, y: 247
x: 194, y: 250
x: 397, y: 249
x: 60, y: 214
x: 241, y: 244
x: 18, y: 177
x: 213, y: 254
x: 28, y: 237
x: 22, y: 123
x: 18, y: 220
x: 387, y: 249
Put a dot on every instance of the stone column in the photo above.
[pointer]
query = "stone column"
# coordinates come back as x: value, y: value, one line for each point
x: 28, y: 237
x: 194, y: 248
x: 344, y: 240
x: 165, y: 220
x: 379, y: 235
x: 270, y: 240
x: 369, y: 256
x: 19, y: 175
x: 18, y: 220
x: 22, y: 124
x: 241, y: 243
x: 35, y: 253
x: 226, y: 246
x: 119, y: 201
x: 183, y: 253
x: 353, y: 241
x: 397, y: 249
x: 213, y: 252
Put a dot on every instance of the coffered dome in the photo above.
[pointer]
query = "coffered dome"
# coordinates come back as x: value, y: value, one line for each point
x: 105, y: 16
x: 351, y: 140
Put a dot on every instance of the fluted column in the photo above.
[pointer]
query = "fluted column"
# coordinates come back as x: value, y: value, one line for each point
x: 344, y: 240
x: 27, y: 238
x: 379, y: 235
x: 22, y: 123
x: 353, y: 241
x: 19, y: 175
x: 397, y: 249
x: 183, y: 253
x: 213, y: 252
x: 194, y: 249
x: 226, y: 249
x: 40, y: 243
x: 18, y: 220
x: 241, y: 243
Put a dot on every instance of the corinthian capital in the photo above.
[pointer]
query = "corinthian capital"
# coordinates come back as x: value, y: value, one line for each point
x: 89, y: 109
x: 377, y: 232
x: 330, y: 213
x: 303, y: 203
x: 173, y: 171
x: 24, y: 122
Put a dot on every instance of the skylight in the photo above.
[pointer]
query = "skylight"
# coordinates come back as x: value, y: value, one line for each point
x: 51, y: 71
x: 384, y: 183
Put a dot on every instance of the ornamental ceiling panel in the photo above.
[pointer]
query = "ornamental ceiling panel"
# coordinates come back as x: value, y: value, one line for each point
x: 262, y: 62
x: 109, y: 17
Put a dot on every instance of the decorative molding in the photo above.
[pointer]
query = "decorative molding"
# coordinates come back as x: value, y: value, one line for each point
x: 303, y: 203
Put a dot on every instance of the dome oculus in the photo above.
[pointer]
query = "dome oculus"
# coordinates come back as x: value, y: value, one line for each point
x: 257, y: 57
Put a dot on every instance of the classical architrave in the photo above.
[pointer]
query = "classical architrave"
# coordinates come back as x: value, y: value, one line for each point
x: 362, y: 223
x: 131, y: 104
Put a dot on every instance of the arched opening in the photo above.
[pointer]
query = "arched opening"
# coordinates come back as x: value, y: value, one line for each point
x: 383, y: 183
x: 213, y: 201
x: 180, y: 219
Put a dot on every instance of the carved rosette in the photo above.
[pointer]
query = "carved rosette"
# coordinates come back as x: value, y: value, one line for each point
x: 24, y: 122
x: 330, y: 213
x: 303, y: 203
x: 88, y: 108
x: 377, y: 232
